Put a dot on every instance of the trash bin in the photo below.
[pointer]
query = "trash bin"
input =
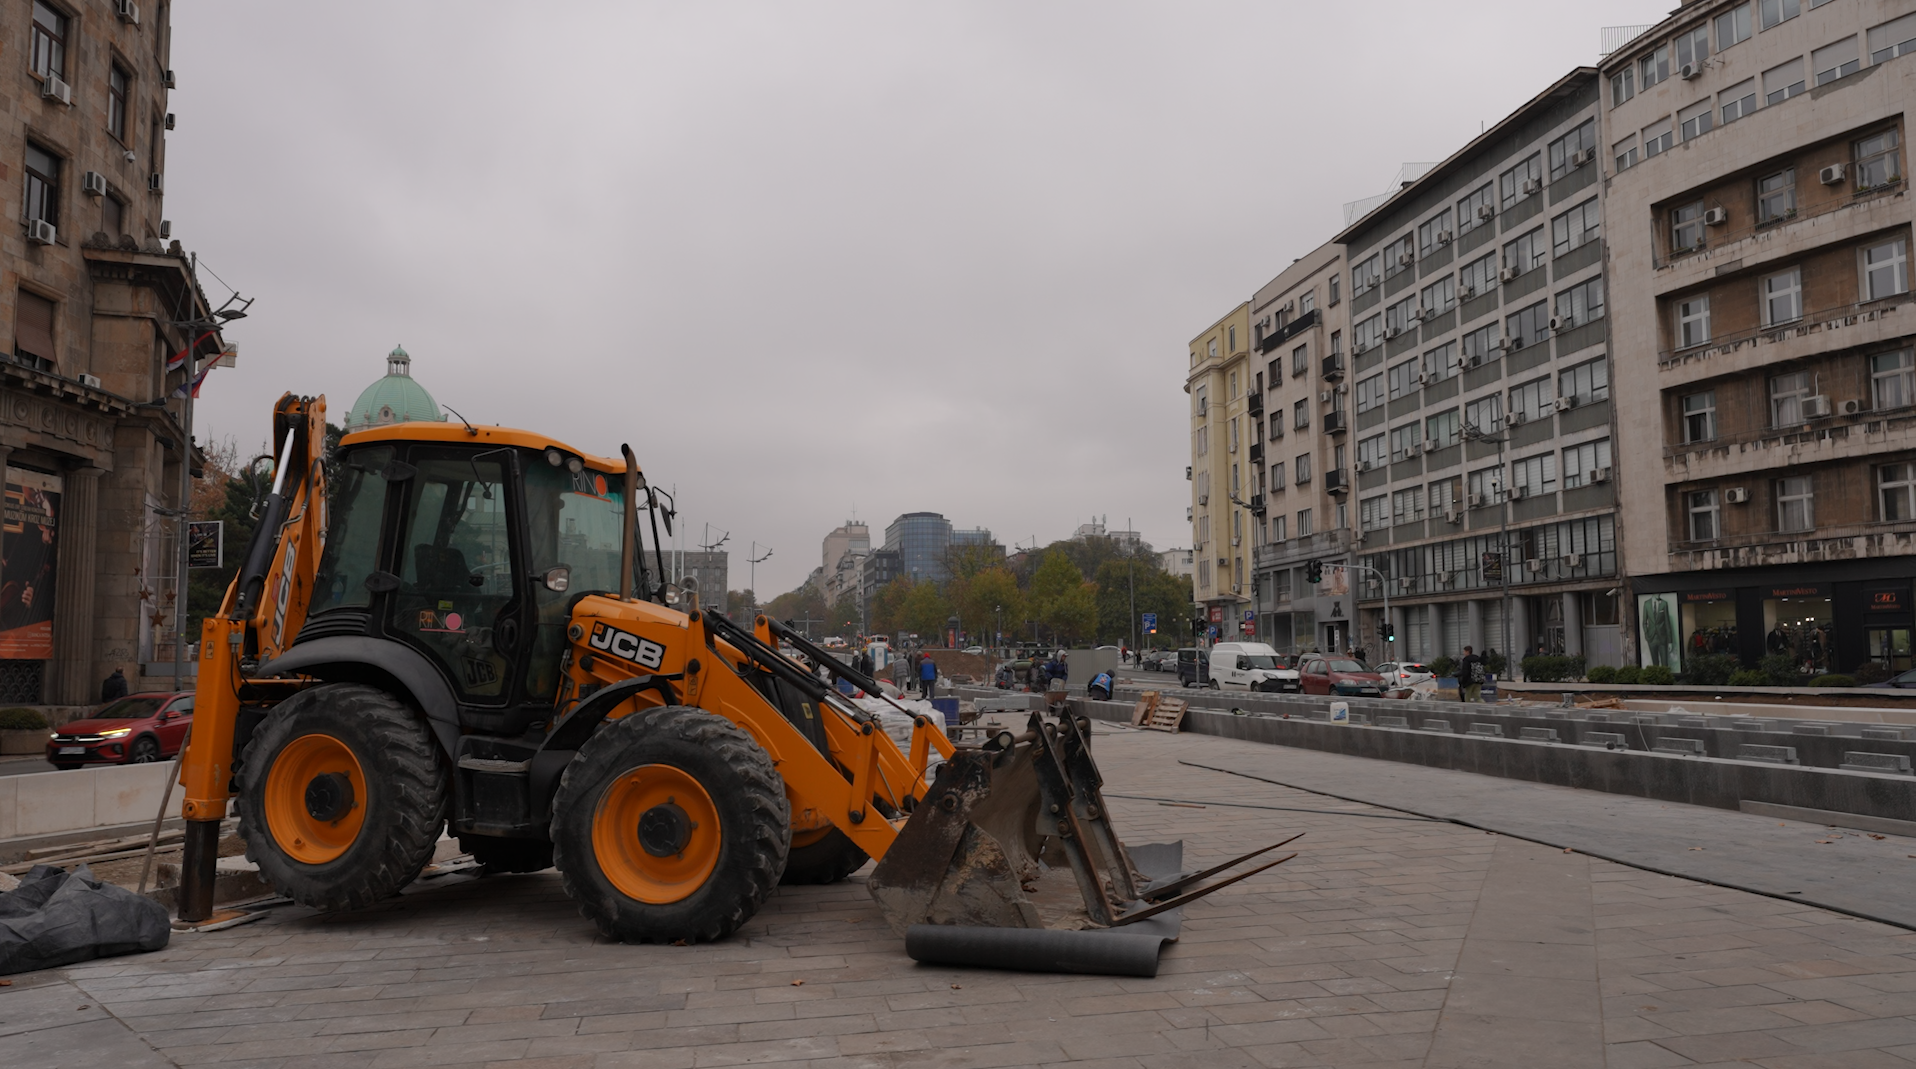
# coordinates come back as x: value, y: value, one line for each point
x: 949, y: 707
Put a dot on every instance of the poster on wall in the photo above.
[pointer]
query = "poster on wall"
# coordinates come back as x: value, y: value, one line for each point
x: 1657, y: 640
x: 29, y: 522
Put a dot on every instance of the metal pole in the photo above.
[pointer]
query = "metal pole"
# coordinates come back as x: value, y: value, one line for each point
x: 1131, y: 582
x: 186, y: 495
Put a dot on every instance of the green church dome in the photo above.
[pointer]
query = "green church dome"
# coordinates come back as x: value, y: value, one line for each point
x: 397, y: 398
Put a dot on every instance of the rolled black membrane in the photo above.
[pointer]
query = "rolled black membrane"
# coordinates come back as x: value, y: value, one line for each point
x: 1131, y: 950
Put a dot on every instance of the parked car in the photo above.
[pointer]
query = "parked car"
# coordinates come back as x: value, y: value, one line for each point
x: 1154, y: 661
x: 1905, y: 681
x: 1193, y: 669
x: 1400, y: 674
x: 975, y: 650
x: 1252, y: 666
x: 1332, y: 674
x: 134, y: 730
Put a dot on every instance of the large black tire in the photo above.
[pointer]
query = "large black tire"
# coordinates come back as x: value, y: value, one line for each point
x: 508, y: 855
x: 400, y: 794
x: 722, y: 773
x: 829, y: 860
x: 145, y: 751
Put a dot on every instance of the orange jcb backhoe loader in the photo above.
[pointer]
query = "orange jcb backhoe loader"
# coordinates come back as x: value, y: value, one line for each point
x: 462, y: 629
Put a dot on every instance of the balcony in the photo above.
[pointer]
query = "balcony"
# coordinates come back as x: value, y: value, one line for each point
x: 1336, y: 422
x: 1337, y: 481
x: 1257, y: 452
x: 1257, y: 504
x: 1334, y: 367
x: 1289, y: 330
x: 1254, y: 401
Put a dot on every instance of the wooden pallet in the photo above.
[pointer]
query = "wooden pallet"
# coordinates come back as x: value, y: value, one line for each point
x: 1166, y: 715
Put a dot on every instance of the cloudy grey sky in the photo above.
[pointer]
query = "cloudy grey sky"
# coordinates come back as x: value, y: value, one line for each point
x: 809, y: 257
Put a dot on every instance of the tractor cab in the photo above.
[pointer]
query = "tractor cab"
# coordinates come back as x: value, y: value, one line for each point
x: 469, y: 545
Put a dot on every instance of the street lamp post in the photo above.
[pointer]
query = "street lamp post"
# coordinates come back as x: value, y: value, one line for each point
x: 755, y: 562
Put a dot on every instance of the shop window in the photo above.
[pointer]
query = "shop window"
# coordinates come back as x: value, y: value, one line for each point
x: 1703, y: 515
x: 1801, y: 627
x: 1896, y: 492
x: 1708, y: 621
x: 1892, y: 380
x: 1795, y: 504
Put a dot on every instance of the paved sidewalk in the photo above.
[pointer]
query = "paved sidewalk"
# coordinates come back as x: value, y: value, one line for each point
x: 1391, y: 941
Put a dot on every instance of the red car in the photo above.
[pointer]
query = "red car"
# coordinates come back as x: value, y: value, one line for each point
x: 1332, y: 674
x: 134, y: 730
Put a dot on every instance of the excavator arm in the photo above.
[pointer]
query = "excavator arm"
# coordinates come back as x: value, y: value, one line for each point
x: 259, y: 617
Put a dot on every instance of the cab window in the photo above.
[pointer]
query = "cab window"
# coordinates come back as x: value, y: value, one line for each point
x: 455, y: 578
x: 358, y: 502
x: 575, y: 521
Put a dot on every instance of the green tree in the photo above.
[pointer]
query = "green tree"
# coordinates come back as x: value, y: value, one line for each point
x: 887, y: 608
x: 925, y: 611
x: 1156, y: 591
x: 1061, y: 599
x: 988, y: 598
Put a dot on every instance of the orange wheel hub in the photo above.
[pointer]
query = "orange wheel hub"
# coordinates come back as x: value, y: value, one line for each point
x: 656, y: 834
x: 315, y: 799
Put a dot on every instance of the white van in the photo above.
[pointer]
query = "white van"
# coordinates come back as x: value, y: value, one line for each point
x: 1252, y: 666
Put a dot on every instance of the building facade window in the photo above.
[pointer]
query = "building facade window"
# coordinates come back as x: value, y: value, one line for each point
x: 1535, y: 475
x: 1407, y: 506
x: 1693, y: 321
x: 1625, y: 153
x: 1733, y: 27
x: 1529, y: 326
x: 1480, y: 345
x: 1434, y: 233
x: 1575, y: 228
x: 1404, y: 378
x: 1795, y: 504
x: 1892, y: 380
x: 1443, y: 429
x: 116, y: 86
x: 112, y: 216
x: 1699, y: 416
x: 1303, y: 468
x: 1568, y: 148
x: 1406, y: 441
x: 1657, y: 139
x: 1397, y: 316
x: 1335, y: 283
x: 1301, y: 415
x: 1783, y: 81
x: 1304, y: 523
x: 1440, y: 363
x: 1623, y: 86
x: 1439, y: 297
x: 1776, y: 196
x: 1366, y: 275
x: 1306, y: 303
x: 1301, y: 361
x: 42, y: 185
x: 1486, y: 484
x: 1442, y: 495
x: 1786, y: 398
x: 1366, y: 335
x: 1695, y: 121
x: 1738, y: 100
x: 1521, y: 181
x: 1484, y: 415
x: 1782, y: 297
x: 1370, y: 393
x: 1686, y: 227
x: 33, y: 318
x: 1692, y: 47
x: 1278, y: 523
x: 1836, y: 60
x: 1583, y: 463
x: 1777, y: 12
x: 1399, y: 256
x: 1587, y: 382
x: 1886, y: 270
x: 1337, y: 343
x: 1581, y: 303
x: 1703, y: 515
x: 1373, y: 513
x: 1475, y: 209
x: 1531, y: 400
x: 1372, y: 452
x: 1892, y: 39
x: 49, y: 41
x: 1896, y: 492
x: 1527, y: 252
x: 1877, y: 162
x: 1278, y: 471
x: 1654, y: 67
x: 1203, y: 446
x: 1478, y: 276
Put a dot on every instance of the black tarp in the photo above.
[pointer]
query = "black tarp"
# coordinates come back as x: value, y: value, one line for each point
x: 57, y: 918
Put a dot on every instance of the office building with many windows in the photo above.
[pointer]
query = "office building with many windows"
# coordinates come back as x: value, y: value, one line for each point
x: 1757, y: 174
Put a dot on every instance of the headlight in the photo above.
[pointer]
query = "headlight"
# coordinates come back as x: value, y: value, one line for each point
x: 116, y: 733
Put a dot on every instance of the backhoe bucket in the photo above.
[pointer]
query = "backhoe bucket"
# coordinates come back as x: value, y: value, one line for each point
x: 988, y: 844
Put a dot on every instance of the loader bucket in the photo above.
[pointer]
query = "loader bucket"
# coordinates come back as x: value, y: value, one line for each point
x: 991, y: 843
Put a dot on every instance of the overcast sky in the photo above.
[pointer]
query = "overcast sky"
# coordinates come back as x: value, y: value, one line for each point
x: 809, y: 258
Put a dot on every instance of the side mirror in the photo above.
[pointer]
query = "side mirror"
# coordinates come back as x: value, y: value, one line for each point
x: 558, y: 579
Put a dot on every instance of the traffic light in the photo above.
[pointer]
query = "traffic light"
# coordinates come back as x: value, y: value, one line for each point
x: 1390, y: 632
x: 1197, y: 626
x: 1314, y: 571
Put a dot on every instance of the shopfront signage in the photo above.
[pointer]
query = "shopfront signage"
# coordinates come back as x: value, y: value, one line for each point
x: 1694, y: 596
x: 1800, y: 590
x: 1217, y: 614
x: 1896, y: 600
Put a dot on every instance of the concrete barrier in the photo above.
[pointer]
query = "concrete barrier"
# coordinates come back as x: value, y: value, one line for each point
x: 43, y: 803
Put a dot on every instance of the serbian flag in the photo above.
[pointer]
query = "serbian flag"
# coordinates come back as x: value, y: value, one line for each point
x: 194, y: 383
x: 177, y: 360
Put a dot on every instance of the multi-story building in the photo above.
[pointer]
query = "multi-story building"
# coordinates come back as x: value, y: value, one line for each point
x: 97, y: 301
x: 1480, y: 419
x: 1758, y: 183
x: 1299, y: 423
x: 1222, y: 474
x: 710, y: 570
x: 841, y: 550
x: 1178, y: 562
x: 920, y: 539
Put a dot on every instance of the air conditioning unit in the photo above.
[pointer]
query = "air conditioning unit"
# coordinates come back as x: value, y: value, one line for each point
x: 1503, y: 345
x: 1443, y: 237
x: 1736, y: 495
x: 1187, y: 514
x: 1421, y: 314
x: 1357, y: 538
x: 1568, y: 401
x: 1509, y: 274
x: 1852, y: 408
x: 1204, y: 405
x: 1237, y: 540
x: 1187, y: 473
x: 1430, y: 445
x: 1831, y: 175
x: 1423, y: 378
x: 1465, y: 293
x: 1582, y: 156
x: 93, y: 184
x: 1600, y: 475
x: 1533, y: 185
x: 1573, y: 560
x: 1404, y: 583
x: 128, y: 11
x: 1518, y: 419
x: 1689, y: 71
x: 1716, y: 216
x: 1518, y: 493
x: 1485, y: 211
x: 90, y: 380
x: 40, y: 232
x: 1290, y: 307
x: 1513, y: 344
x: 1413, y: 449
x: 166, y: 230
x: 156, y: 183
x: 1816, y: 406
x: 52, y: 88
x: 1476, y: 359
x: 1534, y: 565
x: 170, y: 82
x: 1392, y: 332
x: 1559, y: 322
x: 1405, y: 260
x: 1475, y: 501
x: 1453, y: 516
x: 1446, y: 578
x: 169, y: 120
x: 1363, y: 465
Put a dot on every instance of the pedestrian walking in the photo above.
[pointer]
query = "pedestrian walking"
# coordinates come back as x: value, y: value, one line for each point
x: 928, y: 678
x: 113, y: 688
x: 1471, y: 676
